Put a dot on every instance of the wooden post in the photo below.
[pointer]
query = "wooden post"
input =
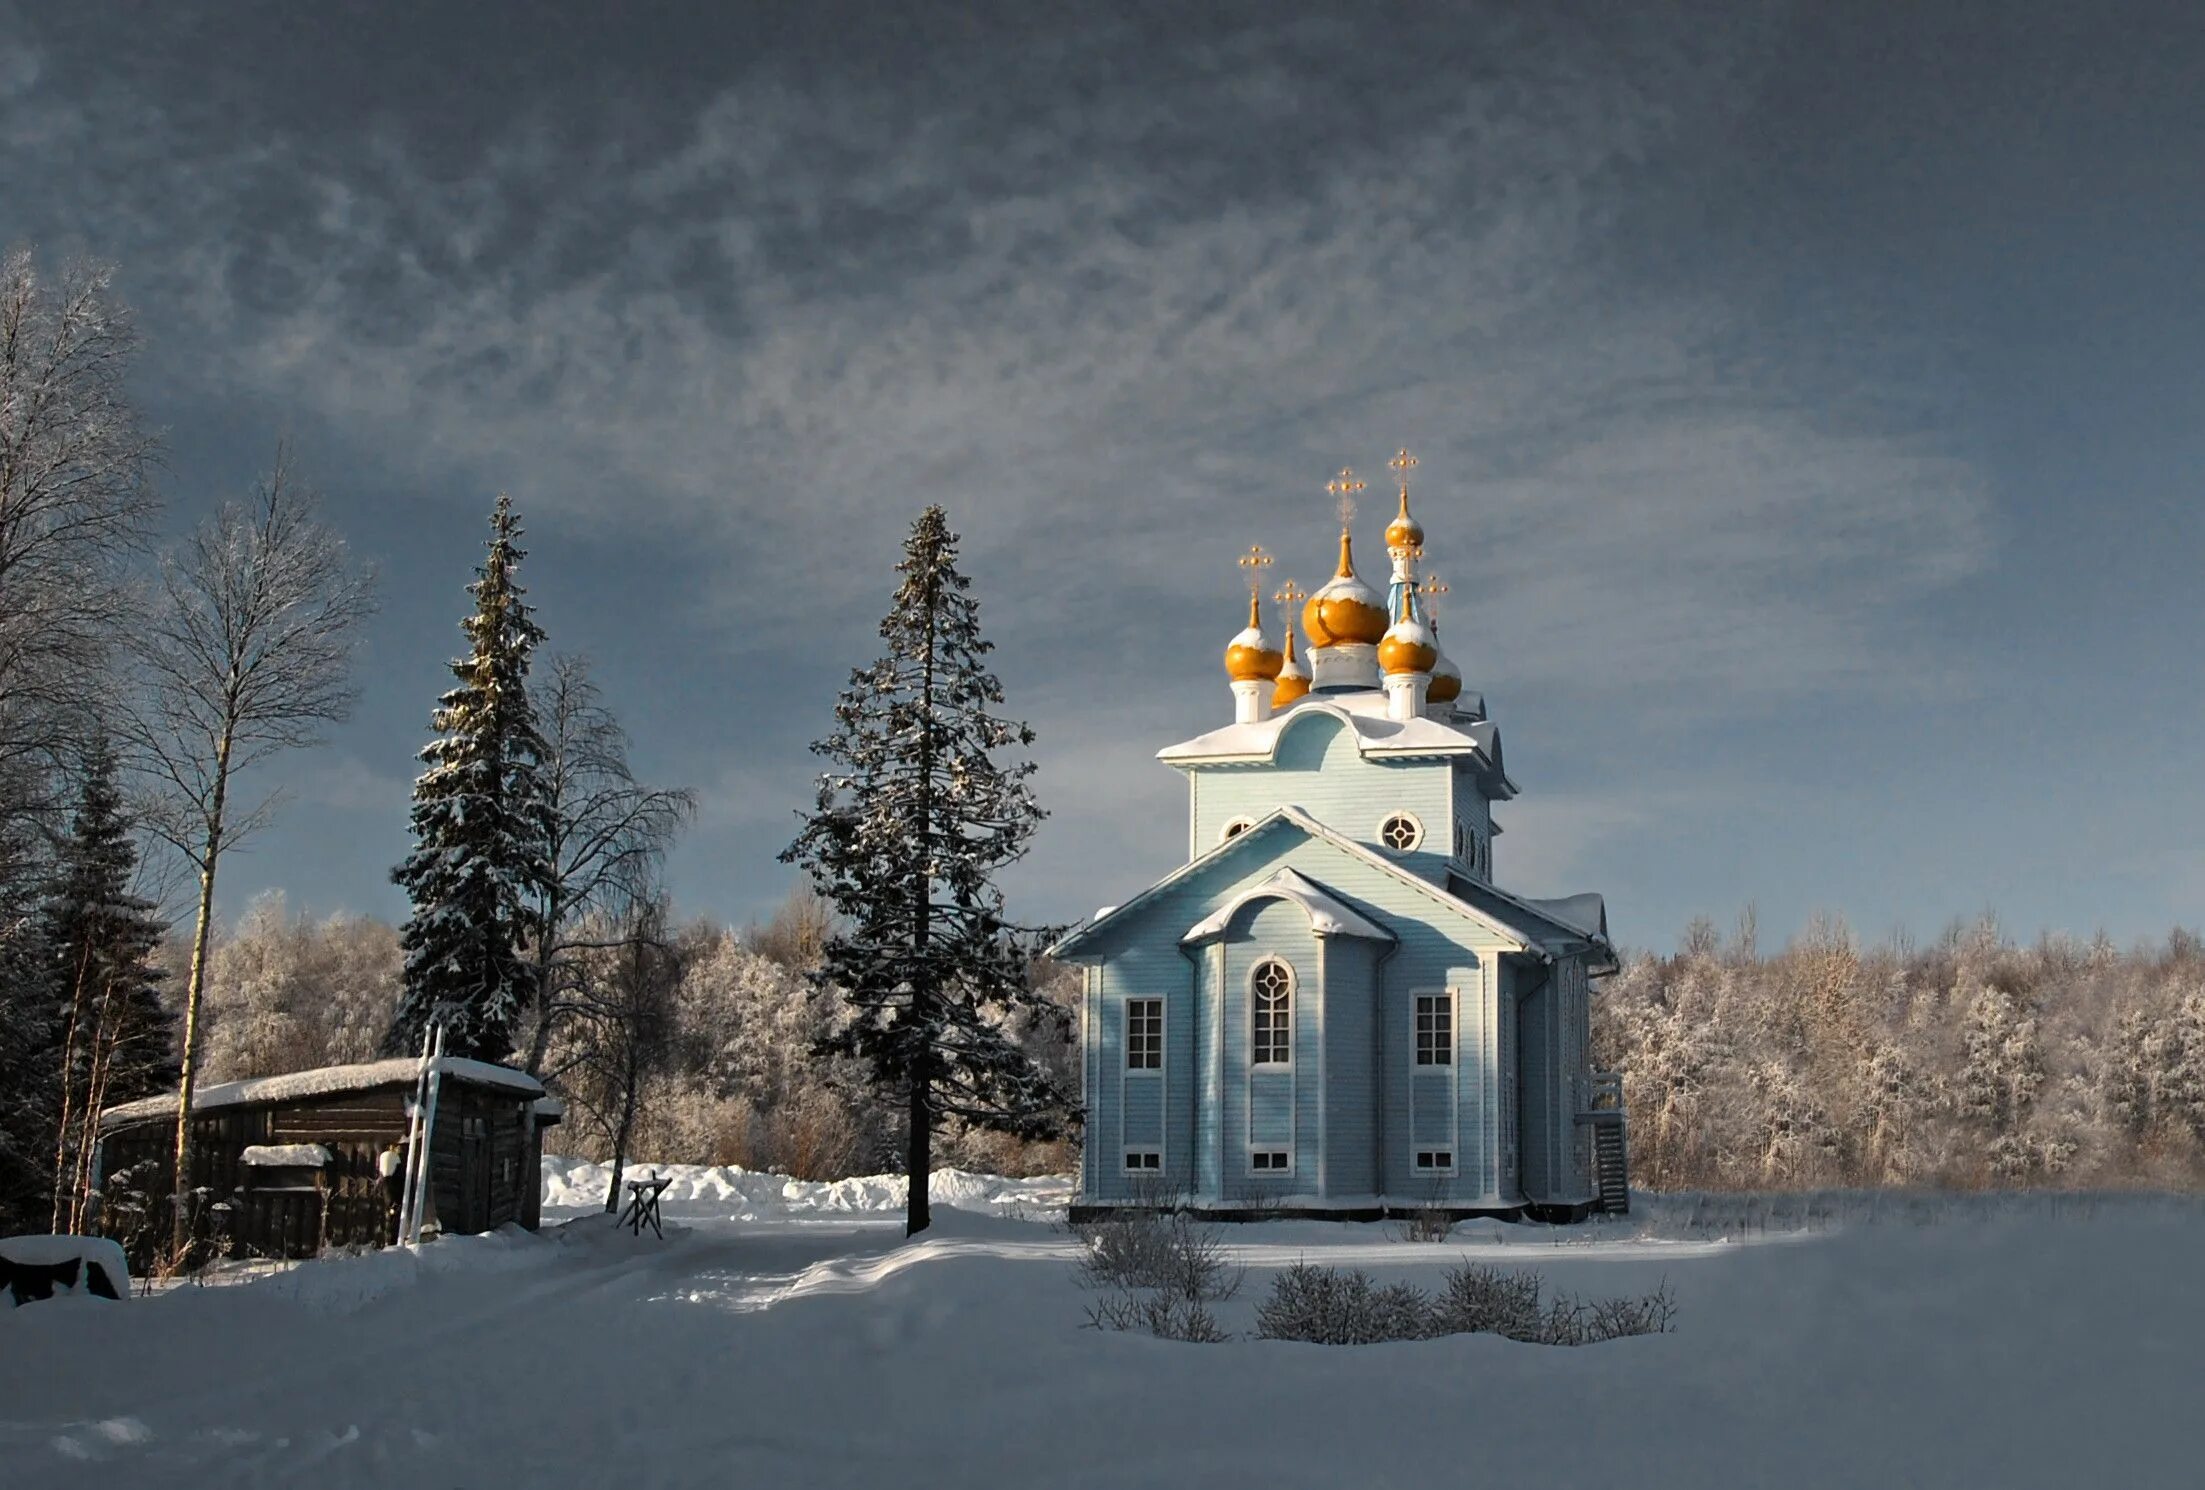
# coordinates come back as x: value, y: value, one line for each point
x: 424, y: 1195
x: 413, y: 1135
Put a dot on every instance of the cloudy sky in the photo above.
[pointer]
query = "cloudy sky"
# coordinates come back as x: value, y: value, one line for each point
x: 1811, y: 406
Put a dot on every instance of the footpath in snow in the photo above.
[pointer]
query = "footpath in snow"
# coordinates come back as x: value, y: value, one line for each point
x: 786, y: 1334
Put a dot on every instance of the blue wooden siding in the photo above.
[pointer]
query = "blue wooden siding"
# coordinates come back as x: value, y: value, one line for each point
x: 1350, y: 1093
x: 1320, y: 771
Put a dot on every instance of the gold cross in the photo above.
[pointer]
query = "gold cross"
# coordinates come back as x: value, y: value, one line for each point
x: 1255, y: 561
x: 1401, y: 465
x: 1344, y: 486
x: 1432, y: 588
x: 1290, y: 595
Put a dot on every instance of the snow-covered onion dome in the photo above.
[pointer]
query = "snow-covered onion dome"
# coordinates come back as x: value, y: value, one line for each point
x: 1344, y: 609
x: 1293, y: 677
x: 1446, y: 678
x: 1407, y: 647
x: 1250, y: 658
x: 1404, y: 532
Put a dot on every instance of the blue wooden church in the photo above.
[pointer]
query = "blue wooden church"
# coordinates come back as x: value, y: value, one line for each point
x: 1332, y: 1008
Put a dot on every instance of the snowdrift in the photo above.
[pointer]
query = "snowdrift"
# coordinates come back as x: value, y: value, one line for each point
x: 730, y: 1192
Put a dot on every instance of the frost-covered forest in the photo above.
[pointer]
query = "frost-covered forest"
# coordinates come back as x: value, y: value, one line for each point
x: 738, y: 1080
x: 1974, y: 1060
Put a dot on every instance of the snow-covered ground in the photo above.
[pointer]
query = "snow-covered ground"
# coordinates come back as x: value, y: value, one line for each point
x: 785, y: 1334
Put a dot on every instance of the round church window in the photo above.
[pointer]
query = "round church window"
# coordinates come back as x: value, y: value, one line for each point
x: 1400, y: 832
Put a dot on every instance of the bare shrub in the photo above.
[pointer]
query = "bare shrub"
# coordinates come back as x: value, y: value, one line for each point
x: 1156, y: 1269
x: 1425, y: 1226
x: 1326, y: 1306
x: 1482, y: 1299
x: 1164, y: 1250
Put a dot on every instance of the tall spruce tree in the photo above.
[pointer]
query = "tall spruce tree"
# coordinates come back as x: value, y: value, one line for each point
x: 26, y: 1038
x: 110, y: 1039
x: 909, y: 830
x: 481, y: 821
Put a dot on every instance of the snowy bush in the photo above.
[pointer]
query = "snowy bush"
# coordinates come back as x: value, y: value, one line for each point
x: 1325, y: 1306
x: 1157, y: 1269
x: 1482, y: 1299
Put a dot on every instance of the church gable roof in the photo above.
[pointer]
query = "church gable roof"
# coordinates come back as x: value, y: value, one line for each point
x: 1328, y: 916
x: 1500, y: 916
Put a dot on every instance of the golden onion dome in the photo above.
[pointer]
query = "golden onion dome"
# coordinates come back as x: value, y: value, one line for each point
x: 1446, y: 681
x: 1344, y: 609
x: 1293, y: 677
x: 1404, y: 531
x: 1249, y: 657
x: 1407, y: 648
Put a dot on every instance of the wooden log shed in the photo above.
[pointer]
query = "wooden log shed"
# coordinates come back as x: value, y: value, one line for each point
x: 301, y: 1157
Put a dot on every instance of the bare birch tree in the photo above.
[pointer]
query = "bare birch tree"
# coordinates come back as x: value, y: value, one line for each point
x: 609, y: 832
x: 624, y: 1004
x: 76, y: 496
x: 249, y: 654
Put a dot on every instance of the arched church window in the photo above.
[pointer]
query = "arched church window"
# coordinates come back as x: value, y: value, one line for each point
x: 1271, y: 1013
x: 1235, y: 828
x: 1400, y: 832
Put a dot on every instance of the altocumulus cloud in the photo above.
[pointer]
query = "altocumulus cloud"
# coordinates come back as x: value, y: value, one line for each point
x: 1121, y: 295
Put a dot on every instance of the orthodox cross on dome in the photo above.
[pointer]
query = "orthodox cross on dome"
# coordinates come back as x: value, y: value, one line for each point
x: 1253, y: 563
x: 1401, y: 465
x: 1429, y: 593
x: 1344, y: 487
x: 1289, y: 597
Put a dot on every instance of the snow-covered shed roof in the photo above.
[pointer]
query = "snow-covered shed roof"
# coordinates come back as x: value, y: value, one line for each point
x: 1328, y: 916
x: 1375, y: 735
x: 326, y: 1081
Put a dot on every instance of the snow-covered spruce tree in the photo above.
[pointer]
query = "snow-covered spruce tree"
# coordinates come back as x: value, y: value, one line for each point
x: 910, y: 828
x: 111, y: 1038
x: 481, y: 822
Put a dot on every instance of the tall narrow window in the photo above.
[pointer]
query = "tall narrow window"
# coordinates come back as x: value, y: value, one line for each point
x: 1435, y: 1029
x: 1271, y: 1005
x: 1144, y: 1034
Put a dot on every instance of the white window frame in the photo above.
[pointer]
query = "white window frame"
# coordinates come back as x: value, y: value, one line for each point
x: 1234, y: 827
x: 1135, y: 1161
x: 1284, y: 1151
x: 1132, y: 1003
x: 1415, y: 823
x: 1444, y: 1055
x: 1286, y: 1034
x: 1418, y: 1166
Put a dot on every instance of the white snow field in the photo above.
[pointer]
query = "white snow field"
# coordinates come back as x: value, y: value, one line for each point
x: 785, y: 1334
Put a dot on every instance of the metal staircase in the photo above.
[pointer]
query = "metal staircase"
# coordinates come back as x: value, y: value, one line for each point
x: 1611, y: 1144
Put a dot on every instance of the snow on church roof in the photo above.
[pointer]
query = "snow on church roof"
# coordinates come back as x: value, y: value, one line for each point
x: 1535, y: 925
x: 1364, y: 712
x: 325, y: 1081
x: 1327, y: 916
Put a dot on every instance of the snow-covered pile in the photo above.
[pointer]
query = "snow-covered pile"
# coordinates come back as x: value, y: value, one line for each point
x: 88, y: 1252
x: 734, y: 1193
